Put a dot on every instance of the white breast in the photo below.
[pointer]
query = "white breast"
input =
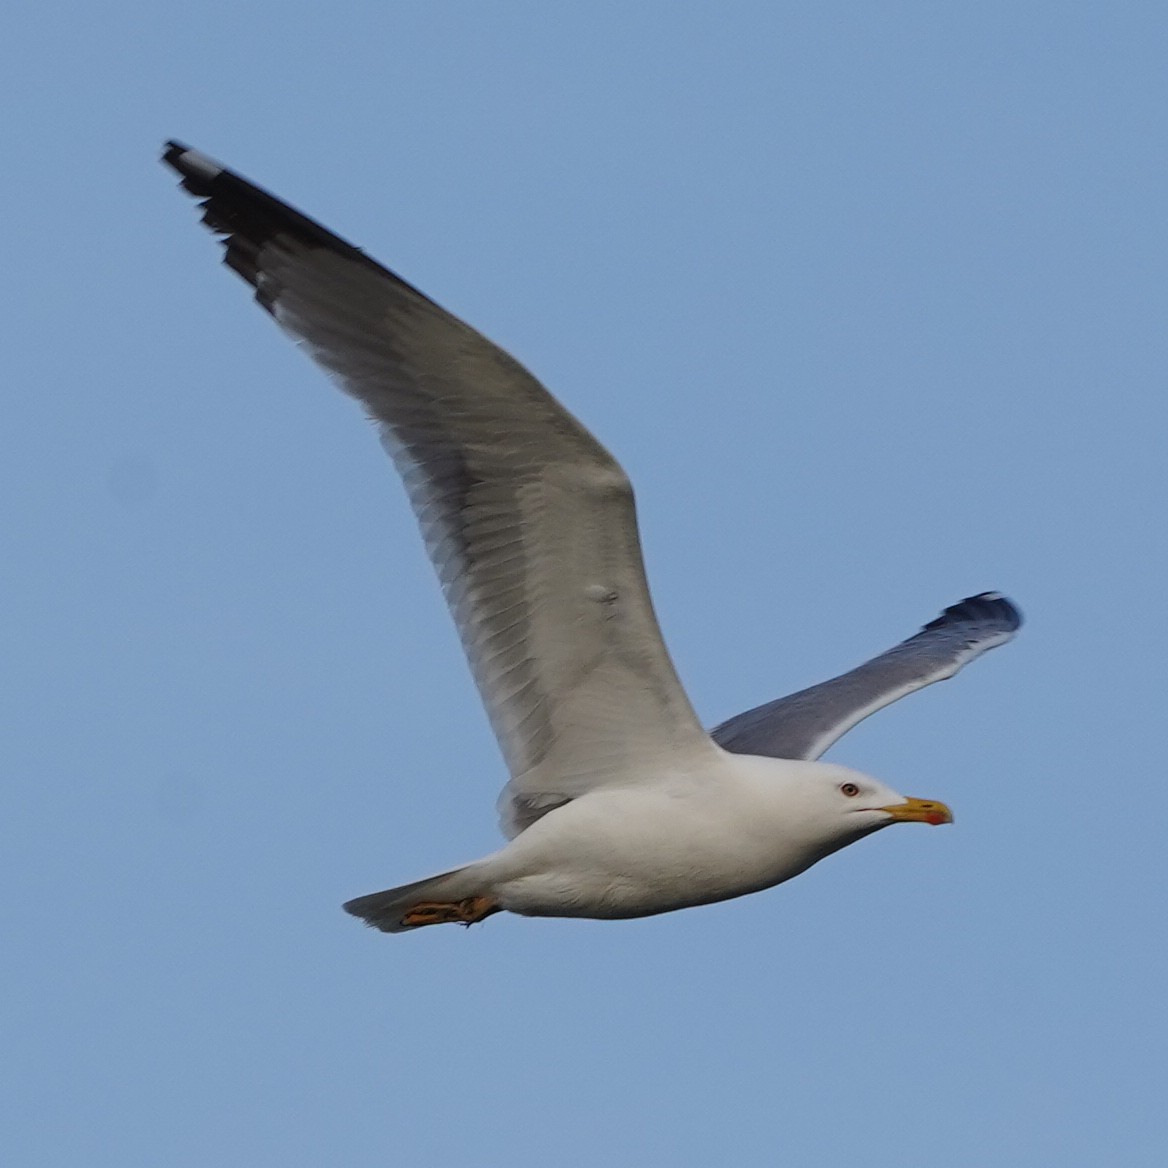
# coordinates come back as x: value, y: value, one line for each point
x: 649, y: 848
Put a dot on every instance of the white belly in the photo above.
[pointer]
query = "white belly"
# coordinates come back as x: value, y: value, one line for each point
x: 637, y: 851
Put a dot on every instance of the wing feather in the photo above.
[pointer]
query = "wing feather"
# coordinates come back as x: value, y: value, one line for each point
x: 803, y: 725
x: 529, y: 521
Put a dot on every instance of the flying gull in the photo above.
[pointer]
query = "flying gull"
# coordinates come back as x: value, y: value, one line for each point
x: 619, y: 804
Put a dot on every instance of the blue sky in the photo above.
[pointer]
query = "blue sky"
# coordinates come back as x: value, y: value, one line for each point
x: 869, y: 300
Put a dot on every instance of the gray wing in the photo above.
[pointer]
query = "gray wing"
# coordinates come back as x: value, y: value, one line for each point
x: 528, y: 520
x: 805, y: 724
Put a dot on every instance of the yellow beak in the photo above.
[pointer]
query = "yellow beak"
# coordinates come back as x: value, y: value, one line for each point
x: 920, y: 811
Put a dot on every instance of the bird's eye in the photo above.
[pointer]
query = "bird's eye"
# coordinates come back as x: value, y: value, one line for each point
x: 850, y: 789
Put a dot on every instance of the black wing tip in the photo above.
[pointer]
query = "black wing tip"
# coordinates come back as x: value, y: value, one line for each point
x: 986, y: 608
x: 172, y: 151
x: 246, y: 216
x: 198, y: 171
x: 249, y: 218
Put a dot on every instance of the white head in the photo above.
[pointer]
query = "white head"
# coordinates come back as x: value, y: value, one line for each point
x: 858, y: 803
x: 826, y: 807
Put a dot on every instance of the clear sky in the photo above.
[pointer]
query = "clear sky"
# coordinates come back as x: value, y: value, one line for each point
x: 869, y: 299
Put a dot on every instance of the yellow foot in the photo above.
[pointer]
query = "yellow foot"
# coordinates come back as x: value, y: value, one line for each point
x: 459, y: 912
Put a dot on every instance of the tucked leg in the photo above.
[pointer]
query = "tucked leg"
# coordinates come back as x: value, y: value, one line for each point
x: 459, y: 912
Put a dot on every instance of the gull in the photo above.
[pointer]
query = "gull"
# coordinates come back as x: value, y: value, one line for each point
x: 619, y: 803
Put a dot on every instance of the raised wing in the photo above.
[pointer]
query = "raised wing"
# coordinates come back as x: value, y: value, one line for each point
x: 528, y: 520
x: 806, y: 723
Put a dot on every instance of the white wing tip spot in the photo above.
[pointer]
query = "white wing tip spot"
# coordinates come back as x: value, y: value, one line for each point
x: 199, y: 165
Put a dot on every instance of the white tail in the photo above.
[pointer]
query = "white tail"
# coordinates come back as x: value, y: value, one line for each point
x: 456, y: 896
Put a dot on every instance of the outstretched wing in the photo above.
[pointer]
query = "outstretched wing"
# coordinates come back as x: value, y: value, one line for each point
x: 528, y: 520
x: 805, y: 724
